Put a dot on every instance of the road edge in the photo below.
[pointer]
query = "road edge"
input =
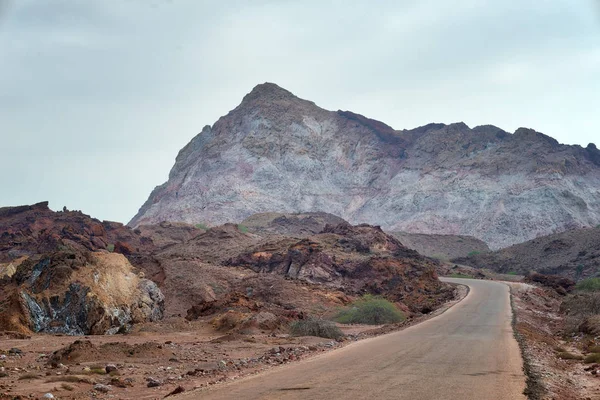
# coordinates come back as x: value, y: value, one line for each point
x: 367, y: 336
x: 533, y: 386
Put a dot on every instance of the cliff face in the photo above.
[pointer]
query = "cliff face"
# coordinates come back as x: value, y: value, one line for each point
x: 278, y: 153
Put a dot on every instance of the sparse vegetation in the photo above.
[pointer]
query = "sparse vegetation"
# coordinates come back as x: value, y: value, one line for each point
x: 110, y: 247
x: 456, y: 275
x: 565, y: 355
x: 592, y: 358
x: 583, y: 312
x: 589, y: 285
x: 97, y: 371
x: 202, y: 226
x: 579, y: 270
x: 28, y: 376
x: 242, y: 228
x: 69, y: 378
x: 371, y: 310
x: 316, y: 327
x: 513, y: 273
x: 594, y: 349
x: 68, y: 387
x: 473, y: 253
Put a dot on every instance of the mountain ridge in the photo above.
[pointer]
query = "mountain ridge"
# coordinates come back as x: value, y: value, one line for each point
x: 276, y: 152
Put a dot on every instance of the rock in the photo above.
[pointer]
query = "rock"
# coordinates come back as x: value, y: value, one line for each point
x: 102, y: 388
x: 15, y: 351
x: 110, y: 368
x: 177, y: 390
x: 58, y: 295
x: 123, y: 248
x: 152, y: 382
x: 48, y: 396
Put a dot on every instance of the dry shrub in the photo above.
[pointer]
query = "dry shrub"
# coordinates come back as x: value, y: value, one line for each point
x: 28, y: 376
x: 592, y: 358
x: 68, y: 387
x: 593, y: 349
x: 565, y: 355
x: 69, y: 378
x: 228, y: 321
x: 316, y: 327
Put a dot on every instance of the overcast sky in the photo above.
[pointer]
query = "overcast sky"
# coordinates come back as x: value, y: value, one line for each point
x: 98, y: 96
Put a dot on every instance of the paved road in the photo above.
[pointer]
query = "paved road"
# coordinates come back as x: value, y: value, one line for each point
x: 468, y: 352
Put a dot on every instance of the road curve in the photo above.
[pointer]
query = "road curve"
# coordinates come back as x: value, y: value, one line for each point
x: 468, y: 352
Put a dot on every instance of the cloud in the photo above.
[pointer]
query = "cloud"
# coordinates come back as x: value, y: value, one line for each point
x: 107, y: 91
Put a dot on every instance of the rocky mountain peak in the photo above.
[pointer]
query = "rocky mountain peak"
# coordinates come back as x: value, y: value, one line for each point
x: 268, y: 90
x: 530, y: 135
x: 269, y: 95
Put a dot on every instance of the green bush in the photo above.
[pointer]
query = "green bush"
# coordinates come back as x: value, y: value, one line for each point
x: 243, y: 228
x: 316, y: 327
x: 371, y: 310
x: 473, y: 253
x: 202, y: 226
x: 589, y: 285
x: 455, y: 275
x: 110, y: 247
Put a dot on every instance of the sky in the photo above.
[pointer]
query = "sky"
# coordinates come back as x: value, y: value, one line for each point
x: 98, y: 96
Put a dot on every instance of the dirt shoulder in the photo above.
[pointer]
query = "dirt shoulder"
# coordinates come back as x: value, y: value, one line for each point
x: 552, y: 362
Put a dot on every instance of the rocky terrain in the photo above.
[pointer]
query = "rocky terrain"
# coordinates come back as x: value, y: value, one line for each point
x: 442, y: 247
x: 174, y: 305
x: 57, y: 275
x: 62, y: 271
x: 291, y: 224
x: 278, y: 153
x: 556, y: 358
x: 574, y: 254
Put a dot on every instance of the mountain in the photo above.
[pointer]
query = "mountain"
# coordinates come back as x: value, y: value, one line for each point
x: 278, y: 153
x: 574, y: 254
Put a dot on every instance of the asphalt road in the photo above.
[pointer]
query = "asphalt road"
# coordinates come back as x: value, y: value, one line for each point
x: 468, y: 352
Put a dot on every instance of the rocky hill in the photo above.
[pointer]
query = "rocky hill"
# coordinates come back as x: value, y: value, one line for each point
x: 61, y: 272
x: 574, y: 254
x: 442, y: 247
x: 58, y: 274
x: 226, y: 266
x: 291, y: 224
x: 278, y: 153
